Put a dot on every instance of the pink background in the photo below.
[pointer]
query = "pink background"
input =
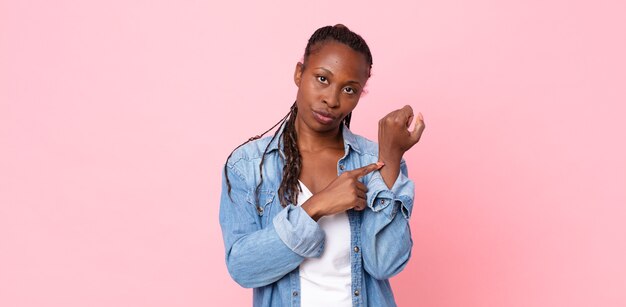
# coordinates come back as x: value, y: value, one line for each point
x: 116, y: 116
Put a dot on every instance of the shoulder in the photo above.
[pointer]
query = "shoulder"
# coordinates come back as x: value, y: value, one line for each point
x: 245, y: 161
x: 251, y: 152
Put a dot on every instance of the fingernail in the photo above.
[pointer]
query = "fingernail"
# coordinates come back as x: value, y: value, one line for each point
x: 380, y: 163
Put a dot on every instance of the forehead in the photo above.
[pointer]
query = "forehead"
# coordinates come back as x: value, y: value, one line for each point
x: 339, y: 59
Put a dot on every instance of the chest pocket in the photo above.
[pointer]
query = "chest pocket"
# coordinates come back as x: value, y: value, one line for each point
x: 263, y: 205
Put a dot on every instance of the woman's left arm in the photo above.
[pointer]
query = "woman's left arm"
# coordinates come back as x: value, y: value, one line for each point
x: 386, y: 237
x: 385, y: 234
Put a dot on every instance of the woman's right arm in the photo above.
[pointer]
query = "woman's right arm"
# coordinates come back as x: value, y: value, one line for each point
x: 257, y: 256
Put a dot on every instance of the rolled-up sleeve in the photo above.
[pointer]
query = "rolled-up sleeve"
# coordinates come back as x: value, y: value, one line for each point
x: 258, y: 256
x: 299, y: 231
x: 386, y: 236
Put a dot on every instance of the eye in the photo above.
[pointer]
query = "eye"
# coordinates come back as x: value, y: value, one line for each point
x: 322, y: 79
x: 349, y: 90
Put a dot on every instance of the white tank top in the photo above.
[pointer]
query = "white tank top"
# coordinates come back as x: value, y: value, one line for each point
x: 327, y: 281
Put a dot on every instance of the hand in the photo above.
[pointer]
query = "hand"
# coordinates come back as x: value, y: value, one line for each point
x: 394, y: 139
x: 343, y: 193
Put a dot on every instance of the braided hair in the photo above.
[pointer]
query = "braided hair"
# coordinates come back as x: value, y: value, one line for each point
x: 289, y: 186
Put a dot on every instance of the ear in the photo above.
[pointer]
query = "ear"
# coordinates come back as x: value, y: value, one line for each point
x: 297, y: 75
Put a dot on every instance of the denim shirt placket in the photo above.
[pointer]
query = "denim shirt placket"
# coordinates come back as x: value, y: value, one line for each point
x: 354, y: 218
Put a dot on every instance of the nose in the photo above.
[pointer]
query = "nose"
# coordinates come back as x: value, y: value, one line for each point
x: 331, y: 99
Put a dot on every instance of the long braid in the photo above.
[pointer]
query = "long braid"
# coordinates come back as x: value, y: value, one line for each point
x: 346, y: 120
x: 289, y: 186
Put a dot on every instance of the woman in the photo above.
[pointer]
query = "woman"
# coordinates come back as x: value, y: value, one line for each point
x: 316, y: 215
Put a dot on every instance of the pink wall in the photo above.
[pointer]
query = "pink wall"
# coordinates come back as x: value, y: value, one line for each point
x: 116, y: 116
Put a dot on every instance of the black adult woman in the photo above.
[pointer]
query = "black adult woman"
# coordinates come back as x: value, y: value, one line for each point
x: 316, y: 215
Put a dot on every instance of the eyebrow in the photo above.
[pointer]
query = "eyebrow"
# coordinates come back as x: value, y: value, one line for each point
x: 331, y: 73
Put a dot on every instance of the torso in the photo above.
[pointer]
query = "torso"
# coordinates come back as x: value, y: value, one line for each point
x: 325, y: 281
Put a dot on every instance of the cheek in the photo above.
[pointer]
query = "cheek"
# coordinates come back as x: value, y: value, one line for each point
x: 312, y: 89
x: 350, y: 102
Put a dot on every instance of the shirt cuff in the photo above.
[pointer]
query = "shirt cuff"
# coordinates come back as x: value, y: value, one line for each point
x: 299, y: 232
x: 380, y: 197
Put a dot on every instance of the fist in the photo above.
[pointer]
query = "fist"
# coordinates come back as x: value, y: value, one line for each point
x: 394, y: 137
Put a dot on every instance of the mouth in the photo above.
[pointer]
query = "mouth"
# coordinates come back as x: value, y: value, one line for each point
x: 323, y: 117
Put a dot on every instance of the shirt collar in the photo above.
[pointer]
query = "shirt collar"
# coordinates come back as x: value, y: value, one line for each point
x: 349, y: 140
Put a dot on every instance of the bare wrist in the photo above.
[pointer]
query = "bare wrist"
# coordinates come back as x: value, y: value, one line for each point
x: 312, y: 210
x: 389, y: 158
x: 390, y: 171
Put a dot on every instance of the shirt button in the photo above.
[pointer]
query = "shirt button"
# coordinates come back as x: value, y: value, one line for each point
x: 382, y: 201
x: 356, y: 249
x: 341, y: 167
x: 295, y: 293
x: 356, y: 292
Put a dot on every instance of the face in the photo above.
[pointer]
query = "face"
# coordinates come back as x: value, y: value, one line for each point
x: 329, y: 86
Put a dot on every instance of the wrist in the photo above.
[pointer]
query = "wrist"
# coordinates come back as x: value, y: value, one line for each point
x: 312, y: 209
x: 389, y: 157
x: 390, y: 171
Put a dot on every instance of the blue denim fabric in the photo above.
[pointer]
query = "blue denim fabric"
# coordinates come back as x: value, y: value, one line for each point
x: 265, y: 243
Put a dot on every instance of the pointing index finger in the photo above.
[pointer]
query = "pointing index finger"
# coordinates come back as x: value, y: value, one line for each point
x: 362, y: 171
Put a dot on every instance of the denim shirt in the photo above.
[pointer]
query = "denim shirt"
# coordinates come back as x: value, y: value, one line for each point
x: 265, y: 243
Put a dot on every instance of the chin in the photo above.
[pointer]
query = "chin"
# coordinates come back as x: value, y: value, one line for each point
x: 326, y: 128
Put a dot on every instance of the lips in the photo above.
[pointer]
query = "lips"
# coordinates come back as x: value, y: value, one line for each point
x: 323, y: 117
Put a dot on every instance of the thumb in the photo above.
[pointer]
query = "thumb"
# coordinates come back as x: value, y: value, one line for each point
x: 419, y: 127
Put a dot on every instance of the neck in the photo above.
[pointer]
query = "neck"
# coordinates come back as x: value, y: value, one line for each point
x: 309, y: 140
